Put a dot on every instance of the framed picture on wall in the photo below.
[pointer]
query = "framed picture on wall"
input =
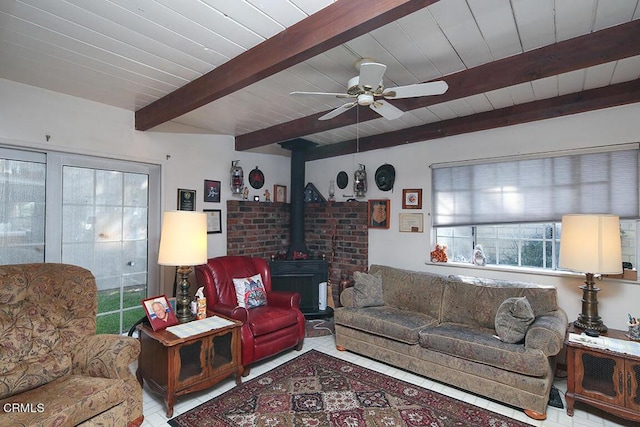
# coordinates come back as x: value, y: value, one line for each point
x: 211, y: 191
x: 379, y: 213
x: 411, y: 222
x: 214, y: 220
x: 412, y: 198
x: 280, y: 193
x: 186, y: 200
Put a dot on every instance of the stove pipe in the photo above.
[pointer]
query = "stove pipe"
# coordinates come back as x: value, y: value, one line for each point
x: 298, y: 149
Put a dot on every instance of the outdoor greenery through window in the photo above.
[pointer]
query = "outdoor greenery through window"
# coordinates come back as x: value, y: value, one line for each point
x: 521, y: 245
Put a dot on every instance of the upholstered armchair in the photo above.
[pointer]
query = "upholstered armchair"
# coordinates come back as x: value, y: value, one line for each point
x: 266, y: 329
x: 54, y: 369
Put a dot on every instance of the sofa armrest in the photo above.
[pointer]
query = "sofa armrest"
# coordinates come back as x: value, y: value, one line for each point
x: 105, y: 356
x: 547, y: 333
x: 284, y: 299
x: 236, y: 313
x: 346, y: 297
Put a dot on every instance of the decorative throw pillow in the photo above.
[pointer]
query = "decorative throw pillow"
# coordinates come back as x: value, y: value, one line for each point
x: 513, y: 319
x: 367, y: 290
x: 250, y: 291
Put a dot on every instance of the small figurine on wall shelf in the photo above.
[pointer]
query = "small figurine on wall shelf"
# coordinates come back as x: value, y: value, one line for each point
x: 245, y: 193
x: 267, y: 196
x: 439, y: 254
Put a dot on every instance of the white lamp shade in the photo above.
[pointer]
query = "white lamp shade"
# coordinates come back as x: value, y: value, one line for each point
x: 591, y: 244
x: 183, y: 240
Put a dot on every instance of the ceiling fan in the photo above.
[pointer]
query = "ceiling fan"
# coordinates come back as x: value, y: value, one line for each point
x: 367, y: 89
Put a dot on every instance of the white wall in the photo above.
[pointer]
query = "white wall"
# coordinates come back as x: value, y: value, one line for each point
x: 411, y: 162
x: 28, y: 114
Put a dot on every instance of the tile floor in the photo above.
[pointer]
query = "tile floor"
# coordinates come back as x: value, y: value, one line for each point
x: 584, y: 416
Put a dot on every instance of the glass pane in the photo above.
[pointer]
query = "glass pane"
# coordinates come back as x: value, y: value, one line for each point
x: 22, y: 211
x: 109, y: 238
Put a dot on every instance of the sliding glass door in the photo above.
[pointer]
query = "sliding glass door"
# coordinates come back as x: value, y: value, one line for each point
x: 98, y: 216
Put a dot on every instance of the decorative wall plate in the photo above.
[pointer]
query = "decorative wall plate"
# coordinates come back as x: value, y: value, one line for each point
x: 342, y: 180
x: 256, y: 178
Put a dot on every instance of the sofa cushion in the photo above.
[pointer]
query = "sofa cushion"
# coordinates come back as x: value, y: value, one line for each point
x: 474, y: 301
x: 416, y: 291
x: 390, y: 322
x: 67, y: 401
x: 367, y: 290
x: 250, y: 291
x: 513, y: 319
x: 482, y: 346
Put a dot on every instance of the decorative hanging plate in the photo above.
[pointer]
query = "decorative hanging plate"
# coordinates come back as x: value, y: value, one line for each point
x: 256, y: 178
x: 342, y: 180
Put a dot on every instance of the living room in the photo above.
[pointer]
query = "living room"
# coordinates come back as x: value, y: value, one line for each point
x: 36, y: 119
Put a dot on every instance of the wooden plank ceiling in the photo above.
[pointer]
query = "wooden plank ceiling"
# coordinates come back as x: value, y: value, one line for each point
x: 220, y: 67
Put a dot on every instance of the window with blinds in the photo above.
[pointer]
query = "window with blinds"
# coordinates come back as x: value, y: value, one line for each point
x: 536, y: 189
x: 513, y: 207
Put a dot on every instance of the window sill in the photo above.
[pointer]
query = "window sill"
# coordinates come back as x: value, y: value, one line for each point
x: 519, y: 270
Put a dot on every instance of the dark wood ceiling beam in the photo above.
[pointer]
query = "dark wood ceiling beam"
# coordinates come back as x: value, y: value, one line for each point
x: 329, y: 27
x: 592, y: 49
x: 579, y: 102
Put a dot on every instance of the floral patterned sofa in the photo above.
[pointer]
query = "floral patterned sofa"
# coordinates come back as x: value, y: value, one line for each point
x: 54, y: 369
x: 476, y: 334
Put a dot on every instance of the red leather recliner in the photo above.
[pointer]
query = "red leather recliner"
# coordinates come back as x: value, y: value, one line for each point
x: 266, y: 330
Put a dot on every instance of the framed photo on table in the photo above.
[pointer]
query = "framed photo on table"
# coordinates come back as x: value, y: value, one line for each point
x: 211, y: 191
x: 379, y: 213
x: 412, y: 198
x: 186, y: 200
x: 159, y: 312
x: 214, y: 220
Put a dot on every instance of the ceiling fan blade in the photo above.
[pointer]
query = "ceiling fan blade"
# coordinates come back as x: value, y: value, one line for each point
x: 337, y: 95
x: 413, y: 91
x: 386, y: 110
x: 371, y: 75
x: 341, y: 109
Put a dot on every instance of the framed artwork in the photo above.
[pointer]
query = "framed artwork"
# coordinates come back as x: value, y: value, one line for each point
x: 379, y: 213
x: 411, y: 222
x: 412, y: 198
x: 159, y: 312
x: 211, y: 191
x: 214, y: 220
x: 280, y: 193
x: 186, y: 200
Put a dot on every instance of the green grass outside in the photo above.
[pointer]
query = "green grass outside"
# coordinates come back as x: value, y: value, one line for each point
x: 109, y: 300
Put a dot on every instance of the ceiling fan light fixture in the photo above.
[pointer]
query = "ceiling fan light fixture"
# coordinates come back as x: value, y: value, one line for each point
x: 365, y: 99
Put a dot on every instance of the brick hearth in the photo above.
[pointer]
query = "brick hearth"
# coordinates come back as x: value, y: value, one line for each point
x: 261, y: 229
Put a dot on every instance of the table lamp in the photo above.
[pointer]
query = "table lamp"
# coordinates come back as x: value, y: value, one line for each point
x: 591, y: 244
x: 183, y: 243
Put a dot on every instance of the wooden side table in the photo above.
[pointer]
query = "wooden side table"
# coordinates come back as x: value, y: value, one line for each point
x: 602, y: 378
x: 174, y: 366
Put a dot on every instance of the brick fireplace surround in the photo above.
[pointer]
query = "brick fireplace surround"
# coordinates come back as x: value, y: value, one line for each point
x: 261, y: 229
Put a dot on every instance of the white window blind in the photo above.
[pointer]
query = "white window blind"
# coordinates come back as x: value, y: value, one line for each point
x: 536, y: 189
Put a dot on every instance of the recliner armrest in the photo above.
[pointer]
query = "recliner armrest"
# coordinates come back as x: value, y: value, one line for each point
x: 547, y: 333
x: 236, y: 313
x: 284, y: 299
x: 105, y: 356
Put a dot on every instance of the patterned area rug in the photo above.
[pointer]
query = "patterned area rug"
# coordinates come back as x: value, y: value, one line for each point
x: 316, y: 389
